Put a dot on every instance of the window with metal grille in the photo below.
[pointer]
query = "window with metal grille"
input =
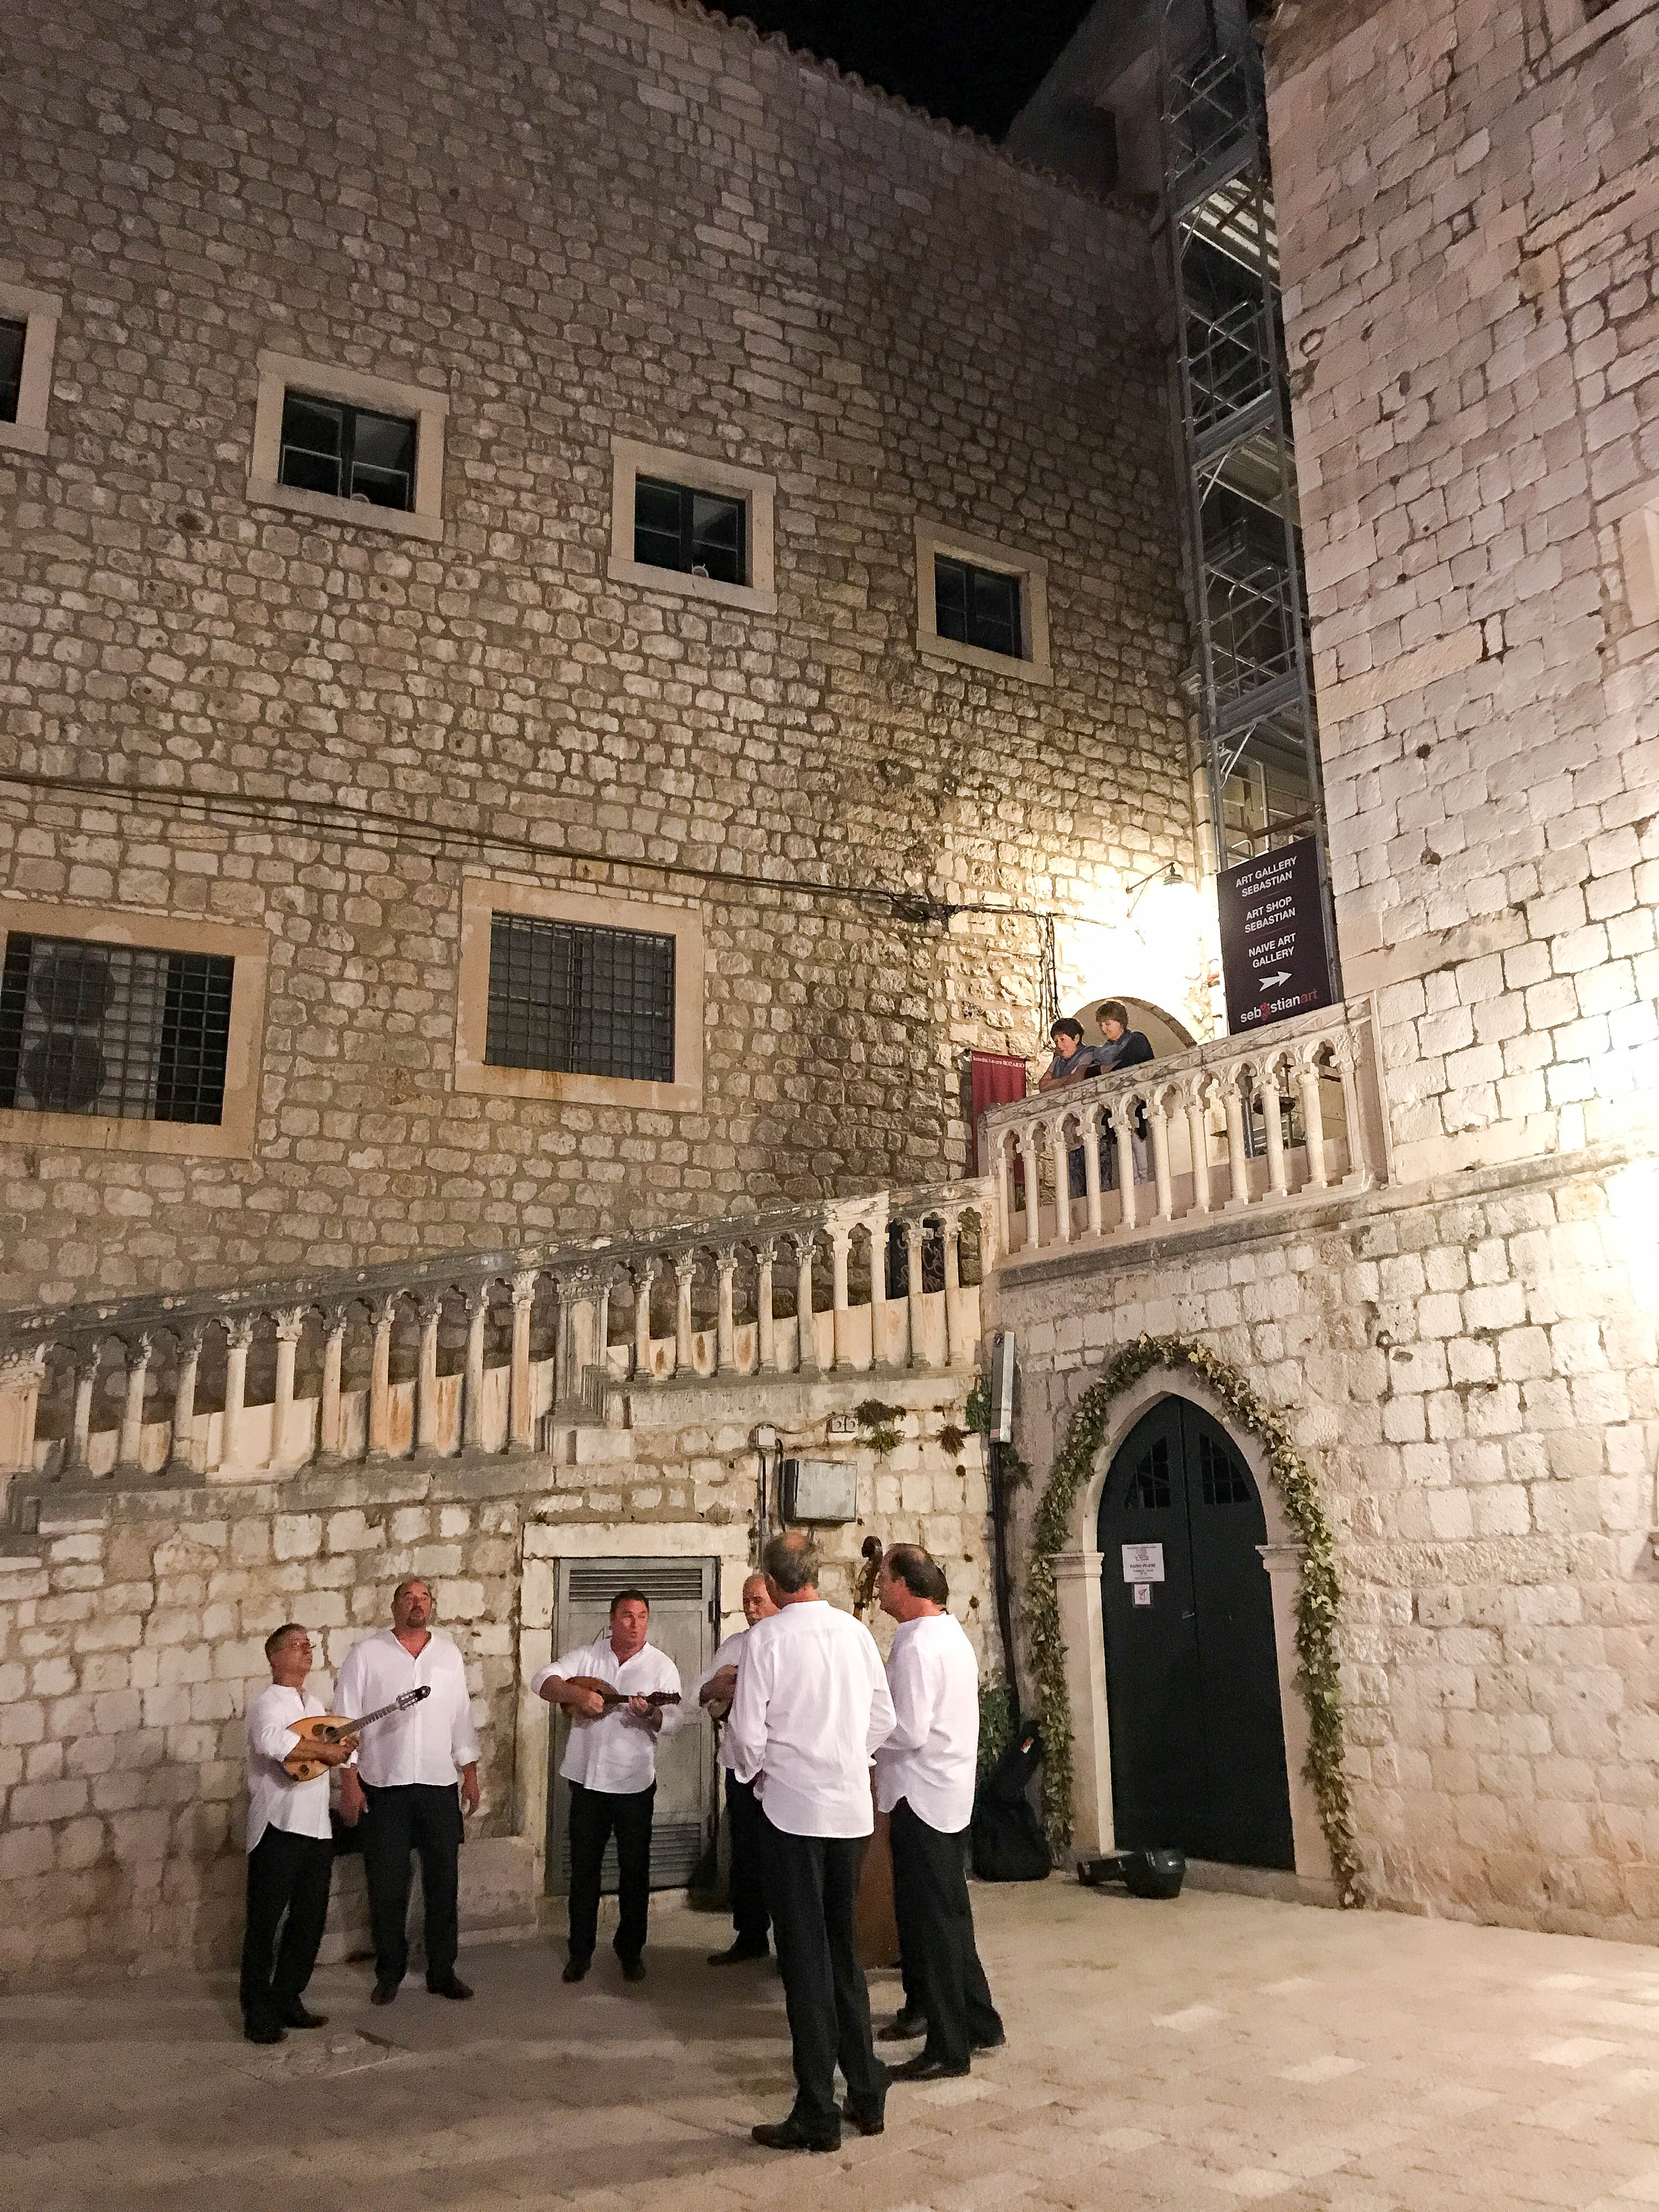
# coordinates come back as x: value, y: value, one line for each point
x: 347, y: 452
x: 700, y: 533
x: 113, y: 1030
x: 580, y: 1001
x: 1149, y: 1486
x: 1225, y: 1481
x: 12, y: 337
x: 976, y: 606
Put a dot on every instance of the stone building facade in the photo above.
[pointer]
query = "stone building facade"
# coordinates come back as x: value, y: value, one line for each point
x: 575, y: 244
x: 1460, y: 1329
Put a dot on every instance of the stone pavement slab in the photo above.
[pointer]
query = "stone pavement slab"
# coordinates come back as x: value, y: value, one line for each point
x: 1201, y: 2056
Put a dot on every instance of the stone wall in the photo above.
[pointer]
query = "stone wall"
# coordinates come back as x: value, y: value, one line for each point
x: 1470, y: 1369
x: 132, y: 1632
x: 574, y: 223
x: 1466, y: 204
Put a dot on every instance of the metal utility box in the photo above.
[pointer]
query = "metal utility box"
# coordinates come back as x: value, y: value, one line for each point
x: 820, y: 1489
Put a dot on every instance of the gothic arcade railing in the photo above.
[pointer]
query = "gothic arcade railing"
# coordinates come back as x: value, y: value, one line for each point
x: 1256, y: 1121
x: 491, y: 1351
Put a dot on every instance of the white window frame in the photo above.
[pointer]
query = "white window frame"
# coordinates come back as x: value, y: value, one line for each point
x: 281, y: 374
x: 232, y: 1136
x: 40, y: 312
x: 630, y: 460
x: 1032, y: 663
x: 1572, y: 32
x: 484, y: 897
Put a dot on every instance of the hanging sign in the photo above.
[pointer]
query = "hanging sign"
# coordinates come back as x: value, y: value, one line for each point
x: 1143, y: 1563
x: 1274, y: 955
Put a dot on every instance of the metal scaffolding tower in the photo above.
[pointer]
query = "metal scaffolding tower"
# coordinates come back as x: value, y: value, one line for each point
x: 1261, y: 742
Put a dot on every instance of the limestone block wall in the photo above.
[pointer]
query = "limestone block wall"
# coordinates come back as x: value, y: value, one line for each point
x: 568, y: 224
x: 132, y: 1632
x: 1469, y: 1368
x: 1468, y: 209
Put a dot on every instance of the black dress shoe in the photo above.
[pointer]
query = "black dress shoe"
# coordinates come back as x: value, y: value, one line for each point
x: 791, y: 2134
x: 903, y: 2027
x: 451, y: 1986
x: 924, y: 2069
x: 266, y: 2030
x: 633, y: 1970
x: 574, y: 1969
x: 867, y: 2124
x: 383, y: 1992
x: 995, y: 2043
x: 737, y: 1954
x: 297, y: 2016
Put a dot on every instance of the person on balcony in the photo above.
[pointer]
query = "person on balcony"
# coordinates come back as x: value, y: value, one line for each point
x: 1073, y: 1062
x: 1124, y: 1049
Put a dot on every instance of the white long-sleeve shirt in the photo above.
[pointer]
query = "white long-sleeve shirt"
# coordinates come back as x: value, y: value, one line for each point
x: 429, y: 1743
x: 616, y: 1752
x: 729, y: 1653
x: 811, y: 1704
x: 931, y: 1756
x: 274, y: 1801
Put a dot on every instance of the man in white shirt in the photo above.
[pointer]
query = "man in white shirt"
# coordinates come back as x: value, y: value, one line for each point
x: 610, y: 1764
x: 401, y: 1785
x: 811, y: 1706
x: 925, y: 1781
x: 290, y: 1847
x: 714, y: 1691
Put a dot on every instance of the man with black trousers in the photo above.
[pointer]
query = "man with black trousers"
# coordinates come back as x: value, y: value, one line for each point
x: 290, y: 1847
x: 401, y: 1786
x: 713, y: 1691
x: 925, y: 1782
x: 809, y: 1707
x: 610, y: 1764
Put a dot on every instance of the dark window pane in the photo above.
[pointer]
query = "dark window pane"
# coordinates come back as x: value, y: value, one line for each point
x: 11, y: 368
x: 113, y: 1030
x: 580, y: 1001
x: 976, y: 606
x: 383, y: 460
x: 313, y: 445
x: 657, y: 524
x: 1149, y: 1486
x: 717, y: 536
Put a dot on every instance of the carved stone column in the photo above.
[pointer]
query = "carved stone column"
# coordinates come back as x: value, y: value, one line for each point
x: 1238, y: 1161
x: 685, y: 1269
x: 1158, y: 1129
x: 878, y: 1286
x: 915, y: 1292
x: 1033, y: 1189
x: 238, y: 1336
x: 1313, y: 1112
x: 1091, y: 1120
x: 806, y: 1342
x: 520, y: 1430
x: 841, y: 1241
x: 472, y: 1382
x: 1123, y: 1121
x: 1358, y: 1177
x: 1060, y: 1168
x: 21, y: 1374
x: 766, y: 1329
x: 645, y: 1274
x: 429, y: 1313
x: 330, y: 1441
x: 85, y: 1377
x: 1198, y: 1139
x: 726, y: 1330
x: 128, y: 1461
x: 1267, y: 1090
x: 954, y: 1334
x: 184, y: 1401
x: 379, y: 1382
x: 289, y: 1324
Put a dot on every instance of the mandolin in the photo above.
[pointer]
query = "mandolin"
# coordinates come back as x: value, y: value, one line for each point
x: 613, y: 1697
x: 329, y: 1728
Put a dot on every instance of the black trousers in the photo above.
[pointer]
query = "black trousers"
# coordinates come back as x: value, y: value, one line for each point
x: 811, y: 1883
x: 286, y: 1876
x: 749, y: 1917
x: 423, y: 1817
x: 936, y: 1935
x: 594, y: 1814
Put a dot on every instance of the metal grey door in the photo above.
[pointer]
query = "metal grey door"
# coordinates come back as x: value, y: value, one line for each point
x: 685, y: 1600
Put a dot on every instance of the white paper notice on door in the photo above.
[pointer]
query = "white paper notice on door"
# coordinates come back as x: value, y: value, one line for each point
x: 1143, y: 1563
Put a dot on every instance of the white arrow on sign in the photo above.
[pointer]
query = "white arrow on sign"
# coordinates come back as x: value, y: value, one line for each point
x: 1267, y: 982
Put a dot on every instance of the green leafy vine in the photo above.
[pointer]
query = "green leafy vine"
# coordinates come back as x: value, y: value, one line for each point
x: 1318, y: 1599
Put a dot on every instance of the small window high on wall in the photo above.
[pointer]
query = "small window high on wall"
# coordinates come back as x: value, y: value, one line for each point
x: 580, y: 1001
x: 113, y: 1030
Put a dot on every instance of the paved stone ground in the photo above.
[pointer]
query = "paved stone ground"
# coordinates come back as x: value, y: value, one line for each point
x: 1214, y: 2052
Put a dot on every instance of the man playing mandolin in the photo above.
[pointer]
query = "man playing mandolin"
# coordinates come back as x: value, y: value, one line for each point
x: 615, y: 1691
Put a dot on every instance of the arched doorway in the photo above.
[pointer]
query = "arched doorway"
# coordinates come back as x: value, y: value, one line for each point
x: 1192, y: 1671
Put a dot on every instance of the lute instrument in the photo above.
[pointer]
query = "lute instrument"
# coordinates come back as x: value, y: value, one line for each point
x: 613, y: 1697
x: 330, y: 1728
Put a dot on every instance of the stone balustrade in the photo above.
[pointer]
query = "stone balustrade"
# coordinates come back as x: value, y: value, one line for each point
x: 1288, y: 1115
x: 486, y: 1352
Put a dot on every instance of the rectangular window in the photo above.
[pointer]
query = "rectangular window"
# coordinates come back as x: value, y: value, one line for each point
x: 113, y: 1030
x: 699, y: 533
x: 580, y: 1001
x: 976, y: 606
x: 12, y: 337
x: 347, y: 452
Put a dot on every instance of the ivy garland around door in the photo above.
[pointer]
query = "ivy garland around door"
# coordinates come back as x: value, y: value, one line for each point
x: 1317, y: 1599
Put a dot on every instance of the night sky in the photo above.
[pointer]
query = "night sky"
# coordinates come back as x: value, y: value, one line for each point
x: 975, y: 62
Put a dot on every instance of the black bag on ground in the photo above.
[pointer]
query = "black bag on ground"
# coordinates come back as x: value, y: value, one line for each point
x: 1007, y: 1837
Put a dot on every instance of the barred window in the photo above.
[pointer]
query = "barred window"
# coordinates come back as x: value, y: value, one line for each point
x: 976, y: 606
x: 113, y: 1030
x: 347, y: 452
x: 574, y: 1000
